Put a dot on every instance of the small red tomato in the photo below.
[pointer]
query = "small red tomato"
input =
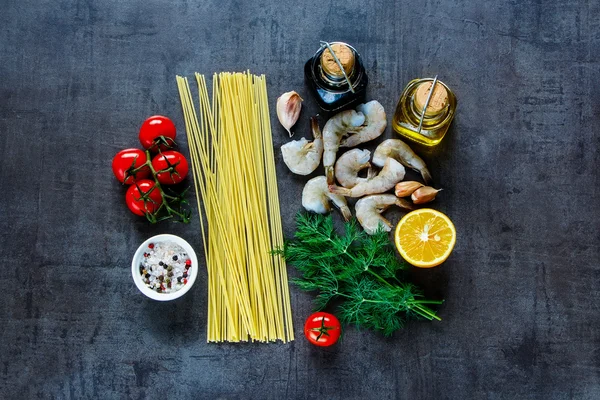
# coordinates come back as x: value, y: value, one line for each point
x: 143, y: 197
x: 174, y: 165
x: 158, y: 130
x: 322, y: 329
x: 126, y: 161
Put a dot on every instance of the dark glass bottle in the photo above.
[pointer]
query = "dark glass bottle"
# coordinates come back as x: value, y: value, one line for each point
x: 327, y: 81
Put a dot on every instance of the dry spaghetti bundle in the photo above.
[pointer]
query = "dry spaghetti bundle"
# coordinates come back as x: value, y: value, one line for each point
x: 234, y: 176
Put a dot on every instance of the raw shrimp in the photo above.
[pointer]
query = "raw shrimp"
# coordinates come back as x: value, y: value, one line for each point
x: 350, y: 164
x: 400, y: 151
x: 316, y: 197
x: 375, y: 123
x: 392, y: 173
x: 369, y: 209
x: 301, y: 156
x: 338, y: 126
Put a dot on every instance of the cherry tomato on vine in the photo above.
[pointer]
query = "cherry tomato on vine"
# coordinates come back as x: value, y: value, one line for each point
x: 128, y: 160
x: 173, y: 163
x: 322, y: 329
x: 143, y: 196
x: 157, y: 130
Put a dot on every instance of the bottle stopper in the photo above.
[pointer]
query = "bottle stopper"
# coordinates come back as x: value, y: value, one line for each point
x: 428, y: 102
x: 342, y: 57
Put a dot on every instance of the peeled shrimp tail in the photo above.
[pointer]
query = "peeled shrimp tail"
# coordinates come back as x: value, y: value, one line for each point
x: 402, y: 203
x: 314, y: 125
x: 330, y: 174
x: 426, y: 175
x: 346, y: 213
x: 342, y: 191
x: 340, y: 202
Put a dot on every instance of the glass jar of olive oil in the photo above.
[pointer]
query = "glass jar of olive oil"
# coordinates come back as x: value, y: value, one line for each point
x: 435, y: 109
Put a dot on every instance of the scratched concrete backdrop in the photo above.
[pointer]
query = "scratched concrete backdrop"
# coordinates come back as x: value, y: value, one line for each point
x: 519, y: 169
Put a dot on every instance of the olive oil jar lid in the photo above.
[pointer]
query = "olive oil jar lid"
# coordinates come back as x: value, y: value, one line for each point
x: 344, y: 54
x: 438, y: 101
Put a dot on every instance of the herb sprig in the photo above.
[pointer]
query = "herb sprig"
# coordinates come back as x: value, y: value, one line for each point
x: 358, y: 270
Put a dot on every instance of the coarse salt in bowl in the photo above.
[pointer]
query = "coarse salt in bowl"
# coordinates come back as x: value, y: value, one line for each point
x: 169, y: 257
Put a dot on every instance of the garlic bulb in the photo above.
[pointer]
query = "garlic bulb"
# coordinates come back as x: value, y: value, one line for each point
x: 288, y: 109
x: 424, y: 195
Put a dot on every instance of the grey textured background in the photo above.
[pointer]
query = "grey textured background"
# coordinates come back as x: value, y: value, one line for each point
x: 519, y: 169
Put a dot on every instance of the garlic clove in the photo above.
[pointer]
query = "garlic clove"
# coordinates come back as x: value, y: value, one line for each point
x: 405, y: 189
x: 288, y: 109
x: 424, y: 194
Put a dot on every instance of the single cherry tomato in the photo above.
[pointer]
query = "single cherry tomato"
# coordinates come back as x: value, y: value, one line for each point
x: 157, y: 131
x: 322, y: 329
x: 174, y: 165
x: 143, y: 197
x: 128, y: 160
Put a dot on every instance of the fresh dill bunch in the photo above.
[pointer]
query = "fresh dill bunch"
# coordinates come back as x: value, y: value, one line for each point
x: 358, y: 270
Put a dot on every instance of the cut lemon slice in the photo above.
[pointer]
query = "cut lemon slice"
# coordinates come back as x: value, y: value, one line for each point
x: 425, y: 237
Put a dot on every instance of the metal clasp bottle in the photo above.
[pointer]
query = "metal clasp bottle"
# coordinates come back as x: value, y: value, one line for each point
x: 336, y: 76
x: 424, y: 115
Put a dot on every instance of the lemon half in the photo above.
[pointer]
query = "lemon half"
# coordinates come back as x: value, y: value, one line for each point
x: 425, y: 237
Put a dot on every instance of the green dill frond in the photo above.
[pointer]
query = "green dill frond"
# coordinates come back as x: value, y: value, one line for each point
x: 323, y: 299
x: 313, y: 228
x: 306, y: 284
x: 359, y: 270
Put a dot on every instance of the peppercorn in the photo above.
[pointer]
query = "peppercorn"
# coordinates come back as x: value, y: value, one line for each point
x: 174, y: 258
x: 188, y: 262
x: 170, y: 274
x: 151, y: 245
x: 179, y: 279
x: 161, y: 263
x: 169, y: 268
x: 185, y: 275
x: 147, y: 275
x: 169, y: 284
x: 161, y: 278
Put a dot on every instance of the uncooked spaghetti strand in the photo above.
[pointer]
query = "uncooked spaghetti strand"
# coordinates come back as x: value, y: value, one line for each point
x: 198, y: 185
x: 276, y: 215
x: 276, y: 304
x: 218, y: 220
x: 233, y: 155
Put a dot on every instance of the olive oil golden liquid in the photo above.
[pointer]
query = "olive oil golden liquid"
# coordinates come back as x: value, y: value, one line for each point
x: 407, y: 116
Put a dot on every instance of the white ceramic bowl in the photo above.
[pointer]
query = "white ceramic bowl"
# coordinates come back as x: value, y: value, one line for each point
x: 137, y: 259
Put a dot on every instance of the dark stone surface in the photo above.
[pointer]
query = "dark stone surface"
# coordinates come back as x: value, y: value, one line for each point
x: 519, y: 169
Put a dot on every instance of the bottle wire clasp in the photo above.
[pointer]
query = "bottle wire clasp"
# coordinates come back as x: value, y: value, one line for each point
x: 426, y: 103
x: 337, y: 60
